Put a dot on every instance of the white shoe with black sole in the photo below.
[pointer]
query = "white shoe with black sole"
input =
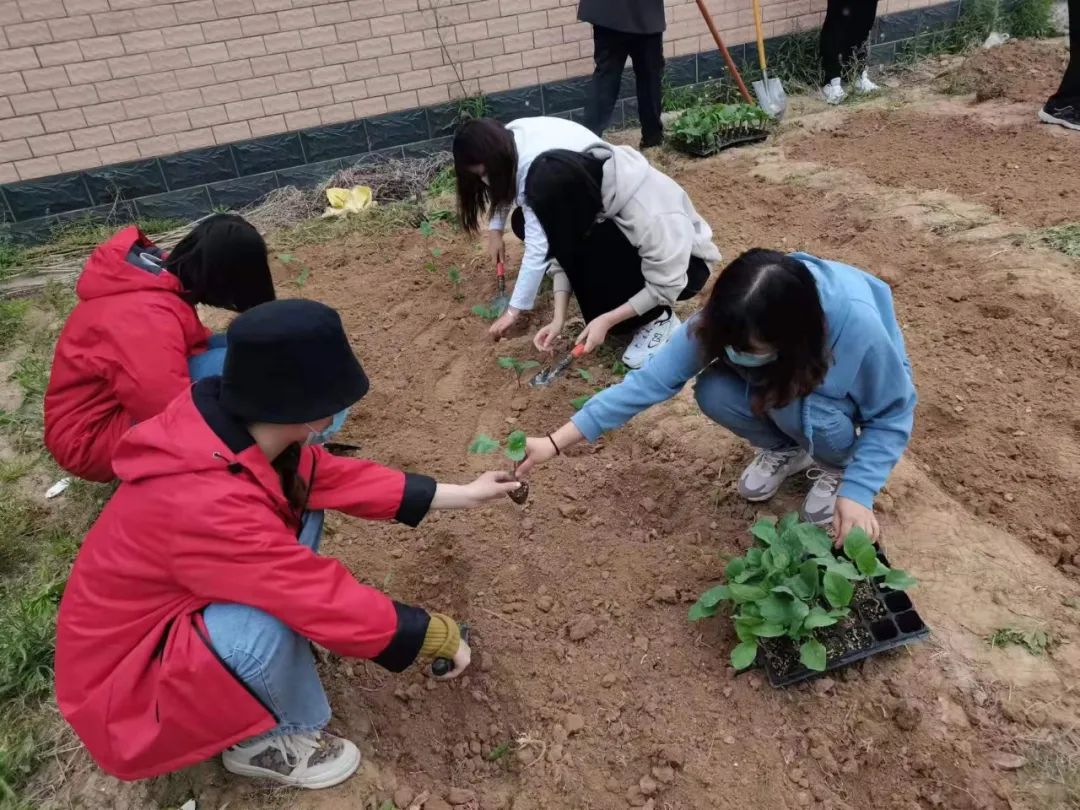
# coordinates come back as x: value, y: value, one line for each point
x: 1066, y: 116
x: 648, y: 339
x: 313, y: 761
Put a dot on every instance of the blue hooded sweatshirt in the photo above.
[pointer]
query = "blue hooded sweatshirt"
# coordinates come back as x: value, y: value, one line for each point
x: 870, y: 369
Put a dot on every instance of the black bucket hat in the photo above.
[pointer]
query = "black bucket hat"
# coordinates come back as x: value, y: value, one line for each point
x: 290, y: 362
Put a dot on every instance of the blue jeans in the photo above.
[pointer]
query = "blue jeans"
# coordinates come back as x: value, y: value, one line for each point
x: 724, y: 397
x: 272, y: 659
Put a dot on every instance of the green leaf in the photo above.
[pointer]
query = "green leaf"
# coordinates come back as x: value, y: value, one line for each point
x: 715, y: 595
x: 426, y: 228
x: 787, y: 521
x: 497, y: 753
x: 866, y: 560
x: 745, y: 593
x: 515, y: 446
x: 813, y: 539
x: 285, y: 258
x: 753, y: 557
x: 620, y: 368
x: 775, y: 609
x: 507, y: 362
x: 792, y: 548
x: 436, y: 252
x: 837, y: 589
x: 809, y: 576
x: 485, y: 312
x: 812, y: 655
x: 527, y: 364
x: 818, y: 617
x: 855, y: 542
x: 769, y: 630
x: 744, y: 654
x: 899, y: 580
x: 579, y: 402
x: 775, y: 559
x: 301, y: 279
x: 454, y: 275
x: 735, y: 567
x: 585, y: 374
x: 844, y: 569
x: 483, y: 444
x: 745, y: 627
x: 699, y: 611
x: 764, y: 531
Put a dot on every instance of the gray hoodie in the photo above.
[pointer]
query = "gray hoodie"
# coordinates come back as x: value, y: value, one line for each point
x: 657, y: 217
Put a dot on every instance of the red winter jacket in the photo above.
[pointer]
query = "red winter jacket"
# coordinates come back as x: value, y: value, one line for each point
x: 199, y: 518
x: 121, y: 358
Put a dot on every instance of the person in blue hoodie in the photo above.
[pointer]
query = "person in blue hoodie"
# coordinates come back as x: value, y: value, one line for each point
x: 799, y: 356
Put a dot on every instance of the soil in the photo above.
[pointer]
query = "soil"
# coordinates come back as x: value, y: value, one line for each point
x: 1024, y: 70
x: 867, y: 604
x: 589, y: 687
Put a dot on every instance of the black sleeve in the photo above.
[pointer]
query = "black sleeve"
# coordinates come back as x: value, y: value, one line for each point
x: 416, y: 500
x: 412, y: 624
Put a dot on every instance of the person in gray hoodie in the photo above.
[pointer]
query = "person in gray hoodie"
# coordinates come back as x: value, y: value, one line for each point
x: 624, y: 238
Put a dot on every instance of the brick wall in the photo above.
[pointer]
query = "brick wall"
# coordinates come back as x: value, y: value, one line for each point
x: 86, y: 83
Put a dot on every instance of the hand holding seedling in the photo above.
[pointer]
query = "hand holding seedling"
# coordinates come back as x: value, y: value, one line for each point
x: 498, y: 329
x: 849, y: 515
x: 541, y: 449
x: 487, y: 487
x: 514, y: 450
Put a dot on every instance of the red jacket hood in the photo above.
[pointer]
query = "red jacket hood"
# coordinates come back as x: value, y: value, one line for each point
x: 108, y: 271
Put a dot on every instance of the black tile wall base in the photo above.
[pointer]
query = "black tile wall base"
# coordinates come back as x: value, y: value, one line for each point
x: 191, y: 184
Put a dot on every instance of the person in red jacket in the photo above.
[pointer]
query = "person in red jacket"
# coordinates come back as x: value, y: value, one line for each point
x: 184, y: 628
x: 125, y: 350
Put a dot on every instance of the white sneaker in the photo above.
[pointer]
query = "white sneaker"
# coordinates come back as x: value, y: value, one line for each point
x: 821, y: 500
x: 313, y: 761
x: 769, y: 469
x: 648, y: 339
x: 864, y: 85
x: 834, y: 92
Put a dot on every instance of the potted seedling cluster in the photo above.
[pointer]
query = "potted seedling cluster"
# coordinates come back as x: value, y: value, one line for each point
x: 513, y: 448
x: 801, y: 607
x: 708, y: 128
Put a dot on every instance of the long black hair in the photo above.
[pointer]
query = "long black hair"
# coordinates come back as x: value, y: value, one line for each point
x: 484, y: 142
x: 222, y: 263
x: 563, y: 188
x: 766, y: 297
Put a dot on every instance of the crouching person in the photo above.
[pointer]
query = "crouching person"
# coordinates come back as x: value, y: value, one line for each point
x: 185, y: 626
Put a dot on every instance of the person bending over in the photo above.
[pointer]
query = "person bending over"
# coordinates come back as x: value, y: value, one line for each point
x: 624, y: 238
x: 800, y: 356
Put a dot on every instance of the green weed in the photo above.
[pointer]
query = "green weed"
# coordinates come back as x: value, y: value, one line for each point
x: 1036, y: 642
x: 1065, y: 238
x: 11, y: 318
x: 445, y: 182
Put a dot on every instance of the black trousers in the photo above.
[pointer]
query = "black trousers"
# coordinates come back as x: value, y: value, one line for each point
x: 610, y: 49
x: 844, y: 35
x: 605, y: 272
x: 1069, y: 92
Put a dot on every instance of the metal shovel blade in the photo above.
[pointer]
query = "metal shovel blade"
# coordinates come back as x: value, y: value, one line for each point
x: 548, y: 375
x: 501, y: 300
x: 771, y: 96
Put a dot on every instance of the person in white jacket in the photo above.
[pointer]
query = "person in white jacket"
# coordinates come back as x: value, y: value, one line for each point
x: 624, y: 238
x: 491, y: 162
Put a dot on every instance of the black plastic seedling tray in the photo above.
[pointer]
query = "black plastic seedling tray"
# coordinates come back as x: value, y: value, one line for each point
x: 722, y: 144
x: 888, y: 616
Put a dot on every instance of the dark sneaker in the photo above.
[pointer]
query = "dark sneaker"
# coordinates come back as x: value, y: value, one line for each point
x: 651, y: 141
x: 313, y: 761
x: 1064, y: 115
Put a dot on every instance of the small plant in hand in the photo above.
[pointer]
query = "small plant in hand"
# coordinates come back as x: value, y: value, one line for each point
x: 519, y: 367
x: 791, y: 595
x: 513, y: 448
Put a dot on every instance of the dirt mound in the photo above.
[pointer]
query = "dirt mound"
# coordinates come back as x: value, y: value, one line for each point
x: 1023, y: 70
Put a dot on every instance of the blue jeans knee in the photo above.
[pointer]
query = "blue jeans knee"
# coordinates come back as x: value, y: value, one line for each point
x: 724, y: 397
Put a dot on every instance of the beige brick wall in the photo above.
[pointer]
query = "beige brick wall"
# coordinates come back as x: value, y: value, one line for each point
x: 85, y: 83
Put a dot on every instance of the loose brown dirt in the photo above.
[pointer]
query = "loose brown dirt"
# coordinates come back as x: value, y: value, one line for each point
x: 590, y: 689
x: 1025, y: 71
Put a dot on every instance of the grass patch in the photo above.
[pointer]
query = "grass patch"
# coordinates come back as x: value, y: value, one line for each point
x: 11, y: 318
x: 979, y: 19
x: 1051, y: 778
x: 1036, y: 642
x: 379, y: 220
x: 1065, y: 238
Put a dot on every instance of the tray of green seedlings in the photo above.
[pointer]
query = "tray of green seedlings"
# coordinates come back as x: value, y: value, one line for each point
x: 710, y: 128
x: 801, y: 607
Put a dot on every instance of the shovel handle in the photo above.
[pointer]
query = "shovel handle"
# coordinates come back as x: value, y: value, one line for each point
x: 577, y: 351
x: 724, y: 51
x: 500, y: 270
x: 760, y: 35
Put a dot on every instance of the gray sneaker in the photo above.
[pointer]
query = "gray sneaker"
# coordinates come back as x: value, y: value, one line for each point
x: 769, y: 469
x: 313, y: 761
x: 821, y: 499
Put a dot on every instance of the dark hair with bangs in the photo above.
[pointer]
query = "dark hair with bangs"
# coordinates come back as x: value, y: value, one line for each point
x: 484, y: 142
x: 222, y: 263
x: 769, y: 297
x: 563, y: 190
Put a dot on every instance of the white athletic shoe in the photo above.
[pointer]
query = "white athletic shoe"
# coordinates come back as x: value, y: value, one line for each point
x: 648, y: 339
x: 864, y: 85
x: 834, y: 92
x: 821, y: 500
x: 313, y: 761
x: 769, y: 469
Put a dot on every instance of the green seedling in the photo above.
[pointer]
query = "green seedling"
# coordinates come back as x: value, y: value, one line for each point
x: 579, y: 402
x: 427, y: 230
x: 620, y: 368
x: 585, y: 374
x: 497, y: 753
x: 513, y: 449
x: 488, y: 313
x: 519, y: 367
x: 454, y: 274
x: 1036, y: 642
x: 305, y: 271
x: 791, y: 583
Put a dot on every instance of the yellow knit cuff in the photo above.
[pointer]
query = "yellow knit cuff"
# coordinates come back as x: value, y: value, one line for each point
x: 443, y: 637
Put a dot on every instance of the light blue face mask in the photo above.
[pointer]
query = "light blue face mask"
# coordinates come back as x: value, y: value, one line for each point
x: 324, y: 435
x: 749, y: 360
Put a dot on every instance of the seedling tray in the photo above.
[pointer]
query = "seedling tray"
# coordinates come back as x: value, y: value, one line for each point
x: 721, y: 143
x: 885, y: 617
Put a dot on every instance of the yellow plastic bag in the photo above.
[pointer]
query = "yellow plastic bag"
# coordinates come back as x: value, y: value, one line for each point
x: 348, y: 200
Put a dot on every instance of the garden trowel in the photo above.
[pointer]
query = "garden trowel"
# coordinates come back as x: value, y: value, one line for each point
x: 548, y: 375
x: 501, y: 300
